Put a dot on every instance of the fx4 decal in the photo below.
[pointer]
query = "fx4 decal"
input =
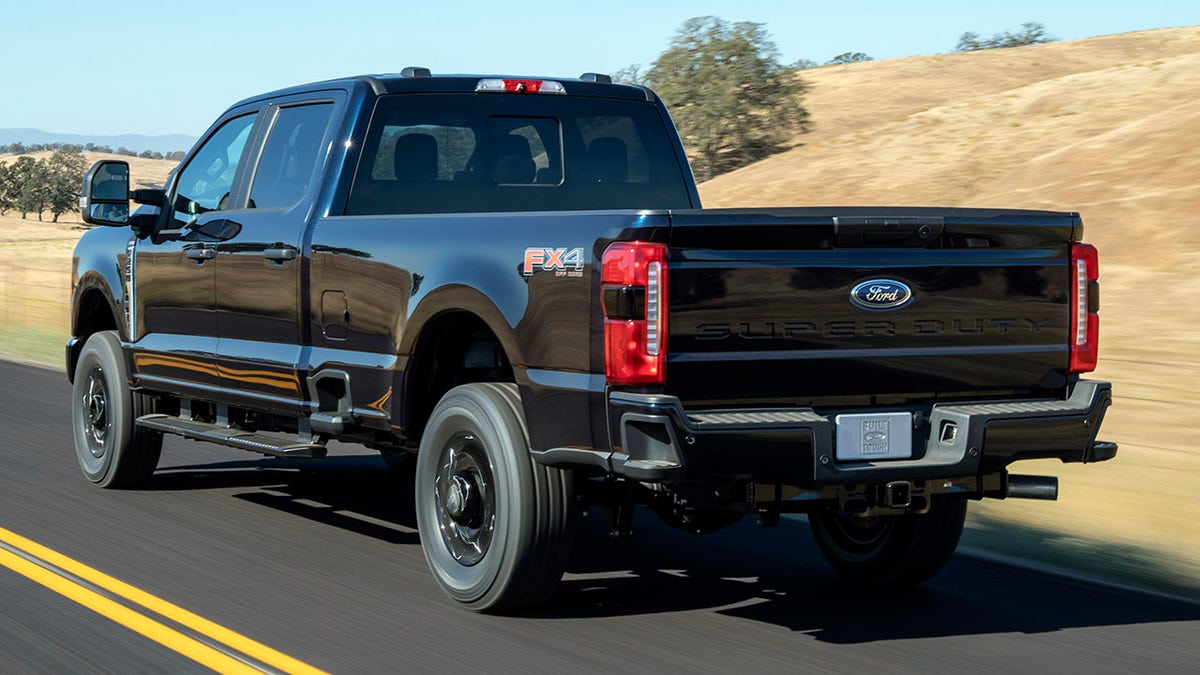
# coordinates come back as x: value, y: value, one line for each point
x: 564, y: 262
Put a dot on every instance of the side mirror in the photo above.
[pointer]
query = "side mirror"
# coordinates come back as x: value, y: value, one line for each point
x: 104, y: 199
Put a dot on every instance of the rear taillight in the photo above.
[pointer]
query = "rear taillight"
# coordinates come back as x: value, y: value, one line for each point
x: 1085, y: 305
x: 633, y: 278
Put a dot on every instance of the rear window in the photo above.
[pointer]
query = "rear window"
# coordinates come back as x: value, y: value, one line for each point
x: 462, y: 153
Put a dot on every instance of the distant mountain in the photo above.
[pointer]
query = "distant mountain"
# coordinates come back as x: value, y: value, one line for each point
x: 135, y: 142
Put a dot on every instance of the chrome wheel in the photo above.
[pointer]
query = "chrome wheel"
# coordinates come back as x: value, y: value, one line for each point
x: 95, y: 407
x: 466, y: 499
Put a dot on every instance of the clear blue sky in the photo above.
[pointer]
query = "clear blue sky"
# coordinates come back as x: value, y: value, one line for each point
x: 172, y: 66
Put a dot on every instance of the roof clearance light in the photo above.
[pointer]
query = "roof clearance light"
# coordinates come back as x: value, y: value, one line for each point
x: 521, y: 86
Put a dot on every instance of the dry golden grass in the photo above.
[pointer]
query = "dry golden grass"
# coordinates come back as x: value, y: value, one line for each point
x: 1106, y: 126
x: 35, y: 285
x: 35, y: 270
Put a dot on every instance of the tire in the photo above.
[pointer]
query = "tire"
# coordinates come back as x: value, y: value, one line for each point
x: 112, y: 451
x: 494, y: 524
x: 892, y: 550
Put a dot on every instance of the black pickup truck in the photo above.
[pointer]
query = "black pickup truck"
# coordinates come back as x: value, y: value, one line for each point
x: 508, y: 286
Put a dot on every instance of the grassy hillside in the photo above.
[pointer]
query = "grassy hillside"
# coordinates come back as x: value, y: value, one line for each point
x: 1106, y: 126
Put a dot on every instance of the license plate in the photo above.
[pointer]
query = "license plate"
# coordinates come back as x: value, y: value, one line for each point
x: 870, y: 437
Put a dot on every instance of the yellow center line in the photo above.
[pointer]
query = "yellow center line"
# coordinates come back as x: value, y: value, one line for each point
x: 173, y: 639
x: 155, y: 631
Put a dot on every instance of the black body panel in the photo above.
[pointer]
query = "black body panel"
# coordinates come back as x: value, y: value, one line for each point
x: 374, y: 294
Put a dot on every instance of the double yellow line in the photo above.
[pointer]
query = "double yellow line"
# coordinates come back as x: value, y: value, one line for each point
x: 72, y: 579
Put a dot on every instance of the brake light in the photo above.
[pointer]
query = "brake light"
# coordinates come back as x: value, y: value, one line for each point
x: 633, y: 278
x: 1085, y: 305
x: 514, y: 86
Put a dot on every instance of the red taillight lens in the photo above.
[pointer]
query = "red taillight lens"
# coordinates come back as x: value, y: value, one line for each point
x: 633, y: 278
x: 1085, y: 301
x: 514, y: 86
x: 522, y: 86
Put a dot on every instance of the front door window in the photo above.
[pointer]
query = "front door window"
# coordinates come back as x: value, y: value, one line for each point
x: 207, y: 181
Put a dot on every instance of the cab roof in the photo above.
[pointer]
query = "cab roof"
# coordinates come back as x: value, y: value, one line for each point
x: 421, y: 80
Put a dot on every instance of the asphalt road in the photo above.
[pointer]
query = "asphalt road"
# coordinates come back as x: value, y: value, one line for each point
x: 321, y: 561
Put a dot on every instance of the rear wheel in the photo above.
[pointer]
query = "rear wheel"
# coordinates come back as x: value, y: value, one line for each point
x: 891, y: 550
x: 112, y: 451
x: 494, y: 524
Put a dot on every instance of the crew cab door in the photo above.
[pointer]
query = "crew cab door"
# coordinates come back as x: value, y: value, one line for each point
x: 259, y: 271
x: 173, y: 322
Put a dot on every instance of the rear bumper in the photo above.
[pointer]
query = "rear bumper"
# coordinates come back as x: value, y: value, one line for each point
x: 655, y: 439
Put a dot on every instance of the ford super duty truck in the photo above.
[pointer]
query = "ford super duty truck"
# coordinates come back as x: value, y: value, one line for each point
x: 509, y: 284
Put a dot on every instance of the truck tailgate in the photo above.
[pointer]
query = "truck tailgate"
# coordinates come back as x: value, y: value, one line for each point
x: 867, y: 305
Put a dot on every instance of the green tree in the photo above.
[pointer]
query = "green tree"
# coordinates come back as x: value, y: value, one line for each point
x: 34, y: 195
x: 1031, y: 33
x: 848, y: 57
x: 64, y: 181
x: 970, y: 42
x: 630, y: 75
x: 731, y: 99
x: 7, y: 194
x: 20, y: 174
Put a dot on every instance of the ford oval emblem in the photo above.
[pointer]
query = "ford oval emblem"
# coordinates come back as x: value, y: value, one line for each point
x: 880, y: 295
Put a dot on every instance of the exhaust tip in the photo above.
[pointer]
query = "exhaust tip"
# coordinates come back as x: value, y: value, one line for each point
x: 1033, y: 487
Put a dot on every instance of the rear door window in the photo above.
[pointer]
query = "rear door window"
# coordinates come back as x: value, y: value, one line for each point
x: 290, y: 155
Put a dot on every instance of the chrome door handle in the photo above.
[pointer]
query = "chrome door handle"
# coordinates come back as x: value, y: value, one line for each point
x: 201, y: 253
x: 280, y: 254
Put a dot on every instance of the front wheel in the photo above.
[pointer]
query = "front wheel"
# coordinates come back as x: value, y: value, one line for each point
x: 891, y: 550
x: 112, y: 451
x: 494, y: 524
